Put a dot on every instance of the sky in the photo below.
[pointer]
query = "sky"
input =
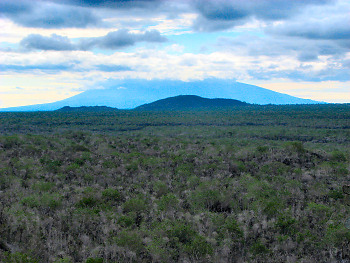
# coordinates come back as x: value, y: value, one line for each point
x: 54, y: 49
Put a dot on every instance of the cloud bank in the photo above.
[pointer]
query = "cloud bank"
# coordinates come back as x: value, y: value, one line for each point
x: 113, y: 40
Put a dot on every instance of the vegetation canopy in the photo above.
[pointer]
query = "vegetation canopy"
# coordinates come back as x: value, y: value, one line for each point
x: 240, y: 184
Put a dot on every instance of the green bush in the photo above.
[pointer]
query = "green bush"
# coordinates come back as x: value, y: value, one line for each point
x: 5, y: 181
x: 18, y: 257
x: 11, y: 141
x: 338, y: 156
x: 184, y: 169
x: 297, y: 147
x: 64, y: 260
x: 340, y: 169
x: 73, y: 167
x: 199, y: 247
x: 87, y: 201
x: 262, y: 149
x: 167, y: 202
x: 193, y: 181
x: 51, y: 165
x: 134, y: 205
x: 337, y: 234
x: 131, y: 240
x: 272, y: 207
x: 112, y: 194
x: 94, y: 260
x: 160, y: 188
x: 233, y: 228
x: 47, y: 200
x: 43, y: 186
x: 125, y: 221
x: 204, y: 197
x: 79, y: 148
x: 181, y: 232
x: 320, y: 210
x: 51, y: 201
x: 108, y: 164
x: 286, y: 224
x: 259, y: 248
x: 336, y: 194
x: 31, y: 201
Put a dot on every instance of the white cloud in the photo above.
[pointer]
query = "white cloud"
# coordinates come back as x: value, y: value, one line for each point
x: 328, y: 91
x: 175, y: 26
x: 150, y: 64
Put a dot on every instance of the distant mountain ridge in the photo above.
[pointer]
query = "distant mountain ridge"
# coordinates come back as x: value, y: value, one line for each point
x: 186, y: 102
x: 128, y: 94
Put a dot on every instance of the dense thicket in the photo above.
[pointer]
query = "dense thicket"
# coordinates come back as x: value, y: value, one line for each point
x: 259, y: 184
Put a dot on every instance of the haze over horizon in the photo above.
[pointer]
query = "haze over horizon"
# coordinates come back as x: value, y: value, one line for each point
x: 51, y: 50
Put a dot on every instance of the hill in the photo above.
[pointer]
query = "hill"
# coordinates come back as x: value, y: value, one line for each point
x: 185, y: 102
x: 128, y: 94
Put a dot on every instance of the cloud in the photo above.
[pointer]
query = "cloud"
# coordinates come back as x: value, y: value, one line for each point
x: 122, y: 38
x: 86, y: 68
x: 41, y: 14
x: 281, y: 9
x: 211, y: 15
x: 113, y: 3
x: 113, y: 68
x: 222, y: 10
x: 333, y: 28
x: 224, y: 14
x: 219, y: 15
x: 203, y: 24
x: 113, y: 40
x: 10, y: 7
x: 300, y: 74
x: 54, y: 42
x: 297, y: 59
x: 47, y: 68
x: 274, y: 46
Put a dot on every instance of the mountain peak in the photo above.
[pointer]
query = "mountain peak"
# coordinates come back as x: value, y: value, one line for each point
x: 186, y: 102
x: 136, y: 92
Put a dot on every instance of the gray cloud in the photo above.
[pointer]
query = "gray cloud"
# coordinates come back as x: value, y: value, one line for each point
x: 219, y: 15
x: 10, y: 7
x: 202, y: 24
x: 224, y: 14
x: 280, y: 9
x: 43, y: 14
x: 213, y: 15
x: 113, y: 40
x: 302, y: 49
x: 222, y: 10
x: 54, y: 42
x: 121, y: 38
x: 333, y: 27
x: 274, y: 46
x: 113, y: 3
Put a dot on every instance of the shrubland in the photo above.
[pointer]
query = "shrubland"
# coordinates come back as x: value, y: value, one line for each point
x: 259, y: 184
